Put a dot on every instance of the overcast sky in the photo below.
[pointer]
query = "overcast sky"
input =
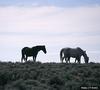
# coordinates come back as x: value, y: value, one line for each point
x: 54, y: 23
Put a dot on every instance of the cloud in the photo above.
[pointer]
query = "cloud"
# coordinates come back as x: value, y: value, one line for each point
x: 27, y: 19
x: 21, y: 19
x: 49, y: 18
x: 43, y: 21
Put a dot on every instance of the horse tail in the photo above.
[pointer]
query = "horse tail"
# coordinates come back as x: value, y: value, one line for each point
x: 23, y: 56
x: 61, y: 55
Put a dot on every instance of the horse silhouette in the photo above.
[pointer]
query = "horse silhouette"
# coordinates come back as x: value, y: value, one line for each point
x: 27, y: 52
x: 67, y: 53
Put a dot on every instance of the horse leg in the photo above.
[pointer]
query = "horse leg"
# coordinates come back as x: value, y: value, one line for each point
x: 75, y: 60
x: 69, y: 59
x: 79, y: 61
x: 26, y: 59
x: 34, y: 59
x: 22, y: 59
x: 66, y: 59
x: 62, y: 59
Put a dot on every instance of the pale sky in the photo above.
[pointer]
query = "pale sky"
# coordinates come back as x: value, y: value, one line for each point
x: 54, y: 23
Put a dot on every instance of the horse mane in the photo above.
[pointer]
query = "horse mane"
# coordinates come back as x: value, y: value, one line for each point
x: 81, y: 50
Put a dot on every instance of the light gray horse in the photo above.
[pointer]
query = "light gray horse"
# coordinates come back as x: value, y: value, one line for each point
x: 67, y: 53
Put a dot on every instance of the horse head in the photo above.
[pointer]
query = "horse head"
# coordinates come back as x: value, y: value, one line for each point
x: 44, y: 49
x: 86, y: 57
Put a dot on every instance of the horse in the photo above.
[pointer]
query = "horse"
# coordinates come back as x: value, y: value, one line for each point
x: 67, y: 53
x: 27, y: 52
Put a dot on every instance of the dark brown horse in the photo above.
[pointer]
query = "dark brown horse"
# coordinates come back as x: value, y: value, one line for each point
x: 27, y: 52
x: 67, y: 53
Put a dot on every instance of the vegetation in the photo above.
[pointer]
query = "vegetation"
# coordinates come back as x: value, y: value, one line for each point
x: 48, y: 76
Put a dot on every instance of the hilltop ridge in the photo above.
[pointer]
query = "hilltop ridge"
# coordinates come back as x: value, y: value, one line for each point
x: 48, y: 76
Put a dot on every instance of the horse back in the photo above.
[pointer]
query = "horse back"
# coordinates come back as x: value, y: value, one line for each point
x: 73, y: 52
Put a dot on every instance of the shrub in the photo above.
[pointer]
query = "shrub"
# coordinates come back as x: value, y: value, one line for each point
x: 48, y: 76
x: 56, y: 83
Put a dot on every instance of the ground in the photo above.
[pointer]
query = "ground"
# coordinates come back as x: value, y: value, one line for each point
x: 49, y: 76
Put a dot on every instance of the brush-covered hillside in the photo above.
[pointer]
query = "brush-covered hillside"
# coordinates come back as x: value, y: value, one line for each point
x: 49, y: 76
